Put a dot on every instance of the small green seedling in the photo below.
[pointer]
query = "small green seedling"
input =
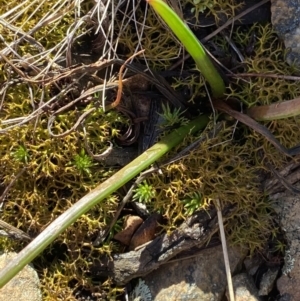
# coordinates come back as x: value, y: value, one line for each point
x: 144, y: 193
x: 192, y: 45
x: 83, y: 162
x: 21, y: 154
x: 172, y: 117
x: 193, y: 202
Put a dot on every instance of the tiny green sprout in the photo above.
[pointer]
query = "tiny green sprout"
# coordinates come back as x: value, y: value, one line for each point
x: 279, y: 246
x: 172, y: 118
x: 99, y: 95
x: 83, y: 162
x: 21, y: 154
x: 144, y: 192
x: 193, y: 202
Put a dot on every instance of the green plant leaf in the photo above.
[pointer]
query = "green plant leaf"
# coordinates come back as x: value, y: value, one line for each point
x: 192, y: 45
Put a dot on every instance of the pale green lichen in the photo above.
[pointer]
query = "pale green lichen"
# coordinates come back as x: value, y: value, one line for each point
x: 141, y: 292
x: 289, y: 263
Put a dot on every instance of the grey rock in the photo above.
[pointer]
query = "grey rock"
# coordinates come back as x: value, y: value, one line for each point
x: 25, y: 286
x: 285, y: 297
x: 244, y: 288
x: 286, y: 22
x: 287, y: 206
x: 267, y: 282
x: 201, y: 277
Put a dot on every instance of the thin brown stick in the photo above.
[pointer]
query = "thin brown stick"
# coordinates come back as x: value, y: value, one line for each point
x: 14, y: 232
x: 275, y: 111
x: 283, y: 181
x: 247, y: 120
x: 225, y: 250
x: 120, y: 86
x: 18, y: 71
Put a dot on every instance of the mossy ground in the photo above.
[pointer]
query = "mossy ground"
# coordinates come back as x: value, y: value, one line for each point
x: 58, y: 172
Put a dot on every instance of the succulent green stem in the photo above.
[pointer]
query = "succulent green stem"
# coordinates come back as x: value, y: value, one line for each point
x: 192, y: 45
x: 97, y: 195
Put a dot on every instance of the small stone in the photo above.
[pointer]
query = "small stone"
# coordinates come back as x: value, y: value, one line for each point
x: 131, y: 223
x: 24, y: 286
x: 287, y: 206
x: 286, y: 20
x: 244, y: 288
x: 146, y: 232
x: 201, y: 277
x: 268, y: 281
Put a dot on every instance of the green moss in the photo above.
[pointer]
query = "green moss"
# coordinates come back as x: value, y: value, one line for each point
x: 144, y: 193
x: 194, y: 85
x: 58, y: 173
x: 193, y: 201
x: 213, y: 7
x: 162, y: 47
x: 267, y: 58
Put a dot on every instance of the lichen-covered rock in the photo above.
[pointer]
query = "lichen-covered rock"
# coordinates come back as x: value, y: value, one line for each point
x: 286, y: 22
x: 287, y: 206
x: 24, y: 286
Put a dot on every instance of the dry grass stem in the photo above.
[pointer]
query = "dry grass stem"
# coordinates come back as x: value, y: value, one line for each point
x: 225, y: 251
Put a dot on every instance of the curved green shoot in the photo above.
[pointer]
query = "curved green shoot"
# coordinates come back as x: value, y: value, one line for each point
x: 99, y: 194
x: 192, y: 45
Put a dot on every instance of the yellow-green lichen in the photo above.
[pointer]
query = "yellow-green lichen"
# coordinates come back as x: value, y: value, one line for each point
x: 213, y: 7
x: 218, y: 169
x: 57, y: 172
x: 50, y: 179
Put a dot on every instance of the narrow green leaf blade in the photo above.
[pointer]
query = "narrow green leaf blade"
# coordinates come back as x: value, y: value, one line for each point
x: 192, y: 45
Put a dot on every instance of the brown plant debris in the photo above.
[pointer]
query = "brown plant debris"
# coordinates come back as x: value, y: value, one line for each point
x: 195, y: 231
x: 132, y: 222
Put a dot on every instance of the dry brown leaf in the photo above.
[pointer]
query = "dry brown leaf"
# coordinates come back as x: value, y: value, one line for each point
x: 146, y: 232
x: 131, y: 223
